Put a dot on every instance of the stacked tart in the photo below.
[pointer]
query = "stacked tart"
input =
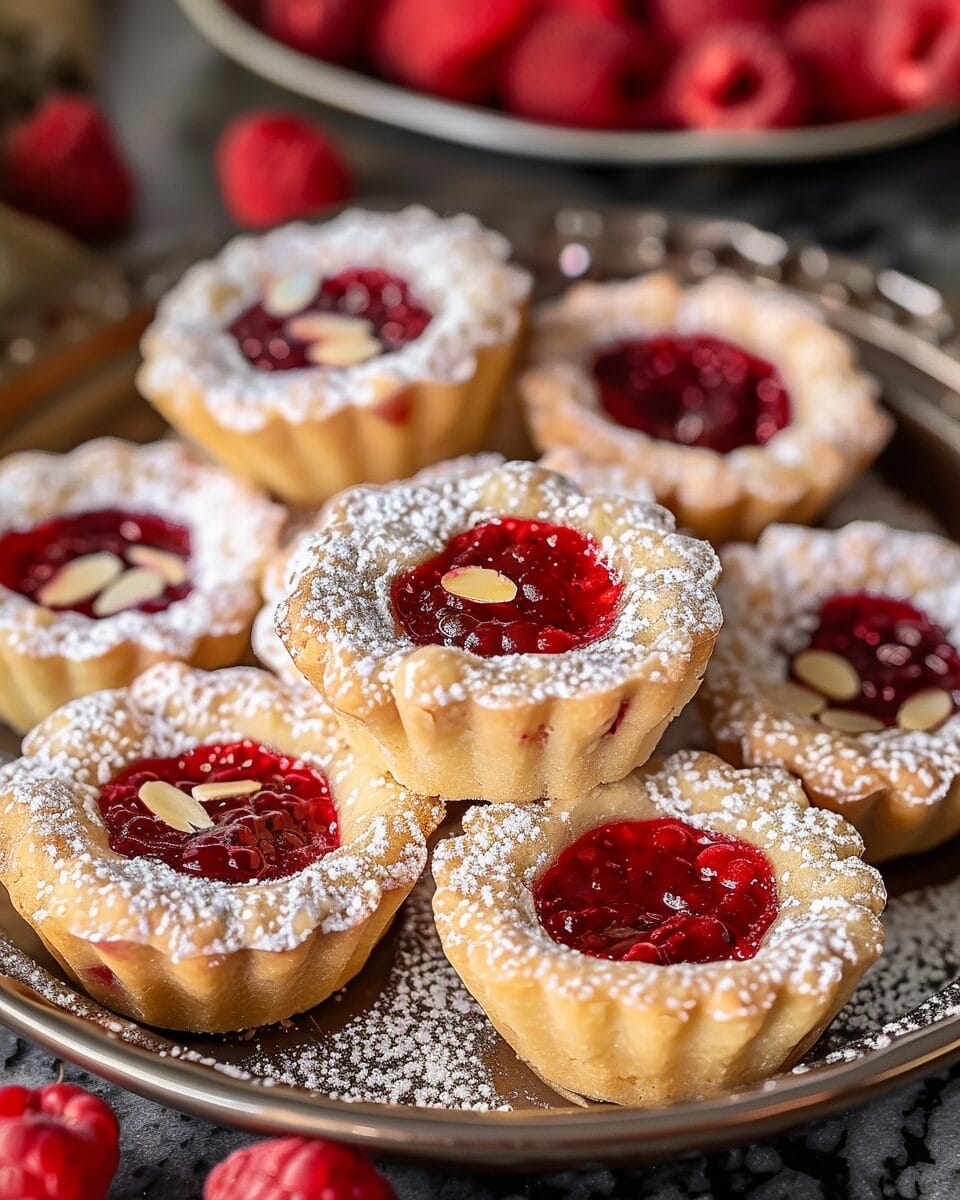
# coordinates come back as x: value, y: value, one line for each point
x: 213, y: 847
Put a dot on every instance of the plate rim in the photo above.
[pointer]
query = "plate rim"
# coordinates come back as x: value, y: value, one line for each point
x: 487, y: 129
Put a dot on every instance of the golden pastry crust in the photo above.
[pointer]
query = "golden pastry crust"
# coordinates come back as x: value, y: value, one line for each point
x: 836, y: 427
x: 511, y: 727
x: 640, y: 1033
x: 901, y: 789
x: 307, y: 433
x: 180, y: 951
x: 48, y: 657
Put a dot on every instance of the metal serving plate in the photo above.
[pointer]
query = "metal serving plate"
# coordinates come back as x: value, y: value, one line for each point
x: 490, y: 130
x: 425, y: 1074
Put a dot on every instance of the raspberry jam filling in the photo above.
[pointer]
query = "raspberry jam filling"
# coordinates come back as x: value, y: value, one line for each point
x: 510, y: 586
x: 266, y: 832
x: 32, y: 561
x: 658, y: 891
x: 895, y: 650
x: 395, y: 317
x: 695, y: 391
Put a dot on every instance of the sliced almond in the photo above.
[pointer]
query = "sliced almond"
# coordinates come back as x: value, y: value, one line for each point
x: 828, y: 673
x: 290, y: 293
x: 175, y: 808
x: 223, y: 790
x: 482, y: 585
x: 136, y: 586
x: 316, y: 326
x: 925, y: 710
x: 799, y: 699
x: 170, y: 567
x: 342, y: 352
x: 847, y: 721
x: 80, y: 579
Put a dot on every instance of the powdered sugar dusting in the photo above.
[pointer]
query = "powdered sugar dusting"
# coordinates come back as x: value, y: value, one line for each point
x: 454, y: 266
x: 342, y: 579
x: 233, y: 530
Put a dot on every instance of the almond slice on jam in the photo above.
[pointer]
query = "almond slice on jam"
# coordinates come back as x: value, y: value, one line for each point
x: 342, y: 351
x: 80, y: 579
x: 170, y: 567
x: 828, y: 673
x: 482, y: 585
x: 290, y: 293
x: 134, y: 587
x: 803, y: 701
x: 225, y: 789
x: 314, y: 326
x: 174, y: 807
x: 925, y: 710
x: 845, y: 720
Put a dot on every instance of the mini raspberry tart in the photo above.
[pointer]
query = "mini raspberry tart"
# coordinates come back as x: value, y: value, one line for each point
x: 738, y: 407
x: 840, y: 661
x: 203, y: 851
x: 116, y: 556
x: 499, y: 633
x: 681, y: 933
x: 320, y: 356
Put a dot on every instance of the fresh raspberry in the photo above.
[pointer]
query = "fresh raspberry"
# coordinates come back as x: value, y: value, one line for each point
x: 274, y: 166
x: 737, y: 77
x: 571, y: 69
x: 57, y: 1143
x: 915, y: 49
x: 329, y: 29
x: 687, y: 20
x: 296, y: 1169
x: 827, y: 37
x: 451, y: 49
x: 630, y: 12
x: 62, y: 164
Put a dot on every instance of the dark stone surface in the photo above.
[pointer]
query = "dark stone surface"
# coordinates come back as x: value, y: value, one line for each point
x: 170, y: 95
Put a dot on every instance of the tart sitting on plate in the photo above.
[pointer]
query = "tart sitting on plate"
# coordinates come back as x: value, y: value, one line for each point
x: 320, y: 356
x: 738, y: 407
x: 115, y: 556
x: 201, y: 851
x: 498, y: 633
x: 687, y: 931
x: 840, y: 661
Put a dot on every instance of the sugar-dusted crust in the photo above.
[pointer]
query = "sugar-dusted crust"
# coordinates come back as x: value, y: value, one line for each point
x: 900, y: 789
x: 513, y: 727
x: 836, y: 428
x: 308, y: 433
x: 180, y: 951
x: 645, y: 1034
x: 47, y: 657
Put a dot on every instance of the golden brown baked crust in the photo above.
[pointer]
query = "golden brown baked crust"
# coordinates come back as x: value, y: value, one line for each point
x: 48, y: 657
x: 184, y: 952
x: 307, y: 433
x: 512, y: 727
x: 901, y: 789
x: 640, y: 1033
x: 836, y: 426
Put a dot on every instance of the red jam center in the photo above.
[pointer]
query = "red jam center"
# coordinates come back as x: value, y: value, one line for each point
x: 30, y: 558
x: 658, y: 891
x: 566, y: 596
x: 378, y: 297
x: 894, y: 647
x: 288, y: 824
x: 696, y: 391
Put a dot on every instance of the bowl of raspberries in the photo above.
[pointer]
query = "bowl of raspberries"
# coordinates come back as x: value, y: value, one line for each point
x: 615, y: 80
